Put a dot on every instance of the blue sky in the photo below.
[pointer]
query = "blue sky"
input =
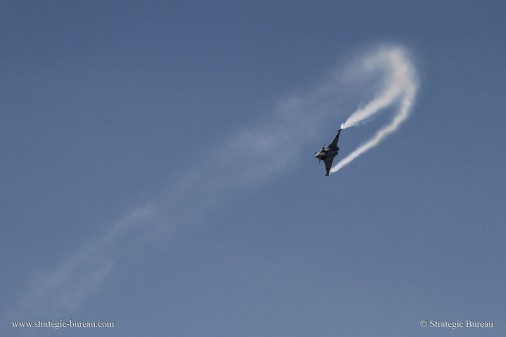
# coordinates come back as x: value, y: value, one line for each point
x: 125, y: 197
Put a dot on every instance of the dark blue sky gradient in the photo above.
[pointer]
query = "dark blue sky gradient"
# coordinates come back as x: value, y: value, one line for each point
x: 110, y: 105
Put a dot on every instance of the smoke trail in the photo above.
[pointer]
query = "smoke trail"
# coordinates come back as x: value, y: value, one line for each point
x: 399, y: 87
x: 294, y: 123
x: 217, y: 178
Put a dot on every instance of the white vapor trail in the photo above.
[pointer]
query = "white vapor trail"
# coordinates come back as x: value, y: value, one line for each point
x: 217, y: 178
x: 294, y: 123
x: 399, y: 87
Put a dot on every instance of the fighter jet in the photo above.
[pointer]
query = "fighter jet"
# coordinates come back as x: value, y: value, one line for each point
x: 327, y: 153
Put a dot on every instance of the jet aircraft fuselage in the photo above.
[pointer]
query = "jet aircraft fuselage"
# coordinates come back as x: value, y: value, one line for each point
x: 328, y: 152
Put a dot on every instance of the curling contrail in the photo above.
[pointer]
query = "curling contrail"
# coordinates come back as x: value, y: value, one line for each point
x: 294, y: 123
x: 399, y: 88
